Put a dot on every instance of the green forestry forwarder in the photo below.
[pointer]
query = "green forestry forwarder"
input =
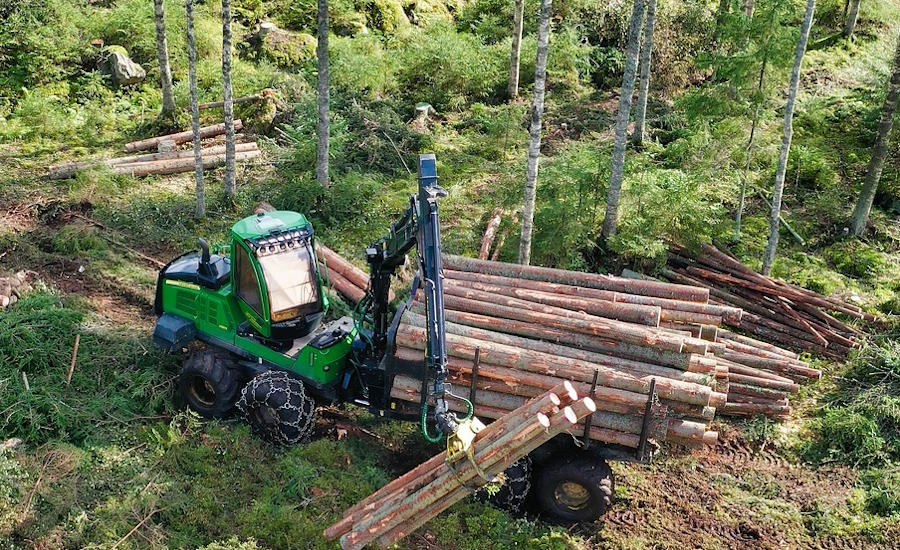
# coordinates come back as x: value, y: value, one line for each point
x: 268, y: 354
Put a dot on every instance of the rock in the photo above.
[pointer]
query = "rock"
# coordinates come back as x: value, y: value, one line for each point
x: 286, y: 49
x: 12, y: 288
x: 115, y: 62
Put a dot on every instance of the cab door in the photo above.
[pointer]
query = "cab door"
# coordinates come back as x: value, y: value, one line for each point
x: 246, y: 279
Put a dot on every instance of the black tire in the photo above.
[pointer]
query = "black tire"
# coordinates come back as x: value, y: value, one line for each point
x: 278, y: 408
x: 575, y: 490
x: 208, y: 382
x: 514, y: 486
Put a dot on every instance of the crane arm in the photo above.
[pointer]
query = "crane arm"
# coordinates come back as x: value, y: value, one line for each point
x: 419, y: 227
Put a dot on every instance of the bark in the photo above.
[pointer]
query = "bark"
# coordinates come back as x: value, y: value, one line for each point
x: 322, y: 80
x: 778, y: 190
x: 200, y: 211
x: 518, y: 12
x: 618, y: 156
x: 162, y: 56
x: 177, y: 166
x: 640, y: 113
x: 852, y: 15
x: 534, y: 145
x: 489, y: 233
x: 879, y: 152
x: 227, y: 97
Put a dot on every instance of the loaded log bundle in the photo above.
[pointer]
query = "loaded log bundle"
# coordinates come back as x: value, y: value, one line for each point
x: 533, y: 326
x: 777, y: 311
x: 408, y: 502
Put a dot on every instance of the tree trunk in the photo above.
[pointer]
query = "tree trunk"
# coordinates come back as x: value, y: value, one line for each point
x: 534, y: 144
x: 640, y: 113
x: 750, y: 140
x: 322, y: 128
x: 774, y: 223
x: 879, y: 152
x: 852, y: 14
x: 618, y: 156
x: 227, y: 97
x: 518, y: 12
x: 195, y: 111
x: 749, y: 6
x: 162, y: 56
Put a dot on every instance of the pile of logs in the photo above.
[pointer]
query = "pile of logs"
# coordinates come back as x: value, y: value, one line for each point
x: 166, y: 160
x: 349, y: 280
x: 780, y: 312
x: 406, y: 503
x: 529, y: 327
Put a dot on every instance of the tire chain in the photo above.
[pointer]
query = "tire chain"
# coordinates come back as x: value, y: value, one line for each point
x: 295, y: 400
x: 516, y: 485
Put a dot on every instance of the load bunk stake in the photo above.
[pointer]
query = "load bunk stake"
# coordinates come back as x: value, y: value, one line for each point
x: 645, y: 425
x: 472, y: 388
x: 590, y: 418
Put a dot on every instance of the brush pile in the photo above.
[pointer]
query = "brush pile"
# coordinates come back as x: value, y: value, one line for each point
x: 514, y: 331
x: 408, y: 502
x: 164, y: 161
x: 780, y: 312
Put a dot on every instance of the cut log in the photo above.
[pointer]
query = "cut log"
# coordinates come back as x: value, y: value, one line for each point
x: 177, y: 166
x: 181, y: 137
x: 489, y: 233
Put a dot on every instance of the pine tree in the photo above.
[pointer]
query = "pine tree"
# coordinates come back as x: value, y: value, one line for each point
x: 228, y: 106
x: 852, y: 15
x: 322, y: 103
x: 778, y: 190
x: 512, y: 90
x: 640, y: 113
x: 879, y: 152
x: 200, y: 211
x: 162, y: 56
x: 534, y: 144
x: 618, y: 156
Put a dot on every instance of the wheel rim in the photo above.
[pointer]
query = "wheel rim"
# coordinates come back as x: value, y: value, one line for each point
x: 572, y: 495
x: 203, y: 392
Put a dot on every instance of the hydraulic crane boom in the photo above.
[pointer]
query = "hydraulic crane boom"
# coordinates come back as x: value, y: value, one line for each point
x: 420, y: 227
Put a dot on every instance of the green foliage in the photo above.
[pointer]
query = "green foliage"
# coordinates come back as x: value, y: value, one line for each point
x: 849, y: 436
x: 232, y: 544
x: 855, y: 259
x: 41, y: 41
x: 760, y: 431
x: 861, y: 421
x: 883, y: 490
x: 663, y: 204
x: 492, y: 20
x: 449, y: 69
x: 361, y: 67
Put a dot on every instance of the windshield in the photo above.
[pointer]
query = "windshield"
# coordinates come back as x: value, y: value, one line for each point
x: 291, y: 281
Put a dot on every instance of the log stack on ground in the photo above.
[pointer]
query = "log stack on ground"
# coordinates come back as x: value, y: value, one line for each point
x: 408, y: 502
x: 777, y: 311
x: 533, y: 326
x: 162, y: 163
x: 349, y: 280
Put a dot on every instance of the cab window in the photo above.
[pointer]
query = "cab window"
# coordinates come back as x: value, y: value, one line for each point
x: 246, y: 281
